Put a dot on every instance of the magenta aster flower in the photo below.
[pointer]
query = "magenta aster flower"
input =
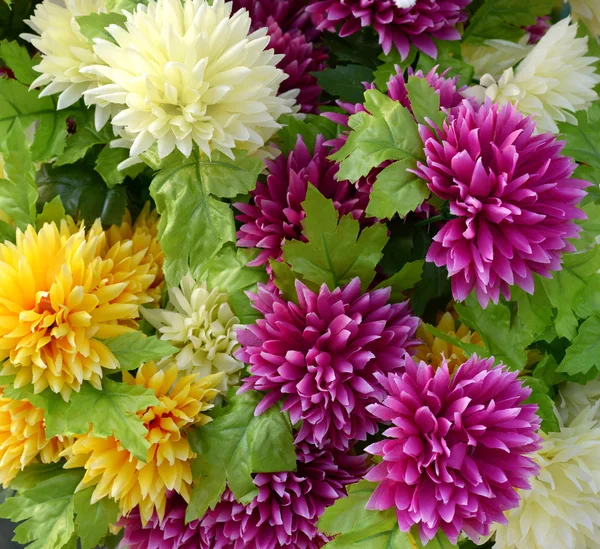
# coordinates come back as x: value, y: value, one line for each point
x: 512, y: 194
x: 321, y: 357
x: 457, y: 448
x: 537, y: 31
x: 277, y: 211
x: 289, y: 14
x: 418, y: 24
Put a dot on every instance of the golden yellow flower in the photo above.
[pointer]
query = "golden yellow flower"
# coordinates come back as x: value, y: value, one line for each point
x: 23, y: 438
x: 54, y: 303
x: 434, y: 348
x: 116, y: 473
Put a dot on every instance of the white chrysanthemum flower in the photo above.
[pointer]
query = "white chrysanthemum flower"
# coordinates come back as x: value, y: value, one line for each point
x: 201, y: 323
x: 495, y: 56
x: 589, y: 12
x: 65, y: 51
x: 189, y: 72
x: 572, y: 398
x: 562, y: 509
x: 555, y: 79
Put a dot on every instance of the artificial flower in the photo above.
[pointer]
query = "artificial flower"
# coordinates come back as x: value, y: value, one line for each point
x: 116, y: 473
x: 188, y: 73
x: 398, y: 23
x: 321, y: 357
x: 555, y: 80
x: 512, y: 195
x: 200, y: 322
x: 562, y: 508
x: 536, y: 31
x: 588, y: 11
x: 458, y: 447
x: 494, y: 56
x: 289, y: 14
x: 277, y: 213
x: 436, y: 351
x: 23, y: 438
x: 56, y: 306
x: 573, y: 398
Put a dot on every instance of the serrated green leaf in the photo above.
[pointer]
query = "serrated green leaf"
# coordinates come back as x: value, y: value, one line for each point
x: 107, y: 166
x: 404, y: 279
x: 52, y: 212
x: 584, y: 353
x: 345, y: 81
x: 449, y: 58
x: 94, y: 25
x: 425, y: 103
x: 308, y: 128
x: 93, y: 520
x: 85, y: 137
x: 384, y: 72
x: 236, y: 444
x: 583, y: 139
x: 19, y: 61
x: 334, y: 253
x: 540, y: 396
x: 134, y: 348
x: 345, y: 513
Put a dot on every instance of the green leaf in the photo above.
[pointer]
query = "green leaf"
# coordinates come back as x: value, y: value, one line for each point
x: 387, y: 132
x: 34, y: 474
x: 440, y: 541
x: 404, y: 279
x: 194, y: 226
x: 504, y: 334
x: 345, y: 81
x: 504, y: 19
x: 53, y: 212
x: 8, y: 3
x: 425, y: 103
x: 110, y: 412
x: 18, y: 191
x: 107, y: 166
x: 591, y: 227
x: 583, y: 139
x: 94, y: 25
x: 237, y: 444
x: 93, y: 520
x: 7, y: 232
x: 584, y: 353
x: 82, y: 141
x: 47, y: 511
x: 334, y: 253
x: 546, y: 372
x: 308, y: 128
x: 540, y: 396
x: 384, y: 72
x: 345, y: 513
x: 535, y: 311
x: 19, y: 61
x: 134, y: 348
x: 449, y: 58
x: 118, y: 5
x: 11, y: 18
x: 397, y: 190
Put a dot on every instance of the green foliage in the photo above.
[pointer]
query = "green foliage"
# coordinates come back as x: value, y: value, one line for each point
x: 440, y: 541
x: 52, y: 212
x: 94, y: 25
x: 361, y: 48
x: 194, y: 224
x: 346, y: 512
x: 504, y: 19
x: 540, y: 396
x: 405, y: 279
x: 118, y: 5
x: 107, y: 166
x: 449, y: 58
x: 424, y: 101
x: 134, y: 348
x: 92, y: 520
x: 345, y: 81
x: 83, y: 140
x: 236, y: 444
x: 334, y: 253
x: 17, y: 58
x: 12, y: 15
x: 110, y: 412
x: 387, y: 68
x: 18, y: 191
x: 584, y: 353
x: 583, y: 139
x: 309, y: 128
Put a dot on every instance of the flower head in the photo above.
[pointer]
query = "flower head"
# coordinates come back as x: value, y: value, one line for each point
x: 277, y: 213
x: 562, y: 508
x: 188, y: 73
x: 57, y: 304
x: 587, y: 11
x: 555, y: 79
x: 321, y: 357
x: 289, y: 14
x: 512, y: 194
x: 495, y: 56
x: 573, y: 398
x: 200, y: 322
x: 23, y: 438
x: 398, y: 23
x: 457, y: 448
x: 116, y: 473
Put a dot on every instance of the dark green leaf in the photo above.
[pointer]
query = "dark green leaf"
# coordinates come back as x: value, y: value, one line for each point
x: 584, y: 353
x: 134, y: 348
x: 82, y: 141
x: 345, y: 81
x: 94, y: 25
x: 539, y: 395
x: 404, y: 279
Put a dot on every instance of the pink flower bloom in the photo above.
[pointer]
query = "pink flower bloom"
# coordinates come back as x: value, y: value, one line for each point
x: 512, y: 194
x: 537, y: 31
x: 400, y: 27
x: 290, y: 15
x: 321, y: 357
x: 457, y: 448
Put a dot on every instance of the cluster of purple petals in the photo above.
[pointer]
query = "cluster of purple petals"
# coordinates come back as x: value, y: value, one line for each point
x: 290, y: 15
x: 283, y: 514
x: 457, y: 449
x: 512, y: 195
x: 322, y: 357
x: 277, y: 212
x: 537, y: 31
x: 400, y: 27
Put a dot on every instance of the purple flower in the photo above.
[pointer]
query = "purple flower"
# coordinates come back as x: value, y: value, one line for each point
x: 290, y: 15
x: 321, y: 357
x: 512, y: 194
x: 277, y: 212
x: 537, y: 31
x: 401, y: 27
x: 457, y: 448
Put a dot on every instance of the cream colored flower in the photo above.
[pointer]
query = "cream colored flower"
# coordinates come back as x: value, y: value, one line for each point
x: 573, y: 398
x: 589, y: 12
x: 201, y: 323
x: 495, y: 56
x: 562, y: 509
x: 189, y: 72
x: 555, y: 79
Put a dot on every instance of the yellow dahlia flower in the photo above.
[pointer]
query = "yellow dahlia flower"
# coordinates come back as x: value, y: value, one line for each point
x: 589, y: 12
x: 433, y: 348
x: 54, y: 303
x: 118, y: 474
x: 202, y: 324
x: 190, y: 72
x: 23, y: 438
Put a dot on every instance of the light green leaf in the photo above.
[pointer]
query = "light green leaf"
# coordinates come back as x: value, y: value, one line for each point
x: 397, y: 190
x: 53, y: 212
x: 584, y: 353
x: 449, y: 58
x: 107, y: 166
x: 583, y: 139
x: 345, y: 513
x: 440, y: 541
x: 19, y: 61
x: 345, y: 81
x: 540, y: 396
x: 425, y: 103
x: 92, y: 520
x: 94, y: 25
x: 118, y: 5
x: 334, y: 253
x: 384, y: 72
x: 308, y: 128
x: 7, y: 232
x: 404, y: 279
x: 134, y: 348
